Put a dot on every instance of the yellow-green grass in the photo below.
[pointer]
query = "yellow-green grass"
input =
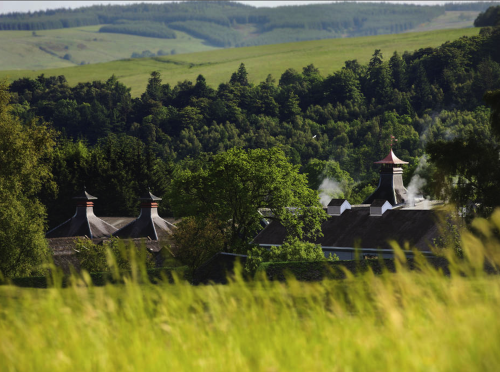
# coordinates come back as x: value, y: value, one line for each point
x: 21, y: 50
x: 217, y: 66
x: 407, y: 321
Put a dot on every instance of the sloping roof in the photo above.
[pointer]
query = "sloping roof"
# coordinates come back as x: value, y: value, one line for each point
x: 379, y: 203
x: 391, y: 159
x: 336, y: 202
x: 154, y: 227
x: 83, y: 223
x: 355, y: 227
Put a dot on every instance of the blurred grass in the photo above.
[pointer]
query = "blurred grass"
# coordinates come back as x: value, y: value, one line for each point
x: 218, y: 65
x: 407, y: 321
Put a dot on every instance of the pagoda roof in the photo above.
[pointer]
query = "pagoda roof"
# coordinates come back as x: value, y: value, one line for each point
x: 84, y: 195
x: 391, y: 159
x: 148, y: 196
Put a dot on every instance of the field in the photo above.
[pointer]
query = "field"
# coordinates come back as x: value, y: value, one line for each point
x: 218, y: 65
x: 407, y: 321
x: 451, y: 19
x: 22, y: 50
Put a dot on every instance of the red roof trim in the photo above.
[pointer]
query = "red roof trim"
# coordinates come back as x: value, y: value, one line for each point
x: 391, y: 159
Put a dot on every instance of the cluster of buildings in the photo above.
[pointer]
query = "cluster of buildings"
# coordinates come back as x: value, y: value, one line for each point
x: 367, y: 229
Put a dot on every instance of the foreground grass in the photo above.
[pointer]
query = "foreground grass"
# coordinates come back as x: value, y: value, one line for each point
x: 407, y: 321
x: 217, y: 66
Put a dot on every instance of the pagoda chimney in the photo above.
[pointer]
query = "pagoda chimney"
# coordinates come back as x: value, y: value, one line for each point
x: 84, y: 222
x: 390, y: 185
x: 149, y: 224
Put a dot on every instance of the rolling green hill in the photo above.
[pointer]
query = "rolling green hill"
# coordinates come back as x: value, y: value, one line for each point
x: 216, y: 66
x: 47, y: 48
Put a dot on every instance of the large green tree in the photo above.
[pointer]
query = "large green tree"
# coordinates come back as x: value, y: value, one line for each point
x: 24, y: 151
x: 232, y: 187
x: 468, y: 167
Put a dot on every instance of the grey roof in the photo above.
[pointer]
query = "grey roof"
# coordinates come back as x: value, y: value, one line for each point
x: 82, y: 224
x: 148, y: 225
x: 118, y: 222
x: 336, y: 202
x: 378, y: 203
x: 355, y: 227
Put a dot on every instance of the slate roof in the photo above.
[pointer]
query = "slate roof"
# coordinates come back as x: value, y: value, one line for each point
x: 378, y: 202
x: 83, y: 223
x: 356, y: 227
x: 147, y: 225
x: 336, y: 202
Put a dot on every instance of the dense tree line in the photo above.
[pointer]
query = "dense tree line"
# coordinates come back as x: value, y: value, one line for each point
x: 491, y: 17
x: 154, y: 29
x: 334, y: 126
x: 226, y: 24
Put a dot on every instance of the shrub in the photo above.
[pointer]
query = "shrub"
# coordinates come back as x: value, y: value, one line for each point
x: 294, y: 250
x: 110, y: 255
x: 196, y: 240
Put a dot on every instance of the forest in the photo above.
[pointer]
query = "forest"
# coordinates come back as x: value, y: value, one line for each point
x: 334, y: 127
x: 226, y: 24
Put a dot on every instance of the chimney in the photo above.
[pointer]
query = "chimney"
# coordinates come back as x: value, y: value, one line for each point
x: 390, y: 185
x: 149, y: 224
x: 337, y: 206
x: 379, y: 206
x: 84, y: 222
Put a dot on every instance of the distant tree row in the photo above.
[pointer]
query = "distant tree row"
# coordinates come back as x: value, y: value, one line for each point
x: 491, y: 17
x: 150, y: 54
x: 152, y: 29
x: 219, y: 23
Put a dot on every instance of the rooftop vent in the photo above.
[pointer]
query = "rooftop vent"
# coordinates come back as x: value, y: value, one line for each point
x: 379, y: 206
x: 149, y: 224
x: 337, y: 206
x: 84, y: 222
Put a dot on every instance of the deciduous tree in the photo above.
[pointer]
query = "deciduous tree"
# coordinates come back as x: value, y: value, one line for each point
x: 231, y: 187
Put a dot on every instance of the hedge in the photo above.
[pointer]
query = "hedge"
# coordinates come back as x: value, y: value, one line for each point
x: 99, y: 279
x: 315, y: 271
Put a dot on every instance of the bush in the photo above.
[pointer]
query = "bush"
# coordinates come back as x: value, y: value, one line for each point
x: 111, y: 255
x: 196, y: 240
x: 293, y: 250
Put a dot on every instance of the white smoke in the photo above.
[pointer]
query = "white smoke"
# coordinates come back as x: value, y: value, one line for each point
x: 328, y: 190
x: 417, y: 183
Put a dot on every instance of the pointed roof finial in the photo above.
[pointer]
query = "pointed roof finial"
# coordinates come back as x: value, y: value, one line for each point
x: 148, y: 196
x: 391, y: 158
x: 84, y: 195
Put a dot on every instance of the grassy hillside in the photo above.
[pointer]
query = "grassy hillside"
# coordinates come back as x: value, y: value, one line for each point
x: 23, y: 50
x: 217, y: 66
x: 451, y: 19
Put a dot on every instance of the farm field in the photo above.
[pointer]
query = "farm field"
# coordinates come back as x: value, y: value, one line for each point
x: 451, y: 19
x: 218, y: 65
x: 22, y: 50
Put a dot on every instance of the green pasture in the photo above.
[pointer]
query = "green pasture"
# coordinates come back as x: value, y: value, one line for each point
x: 218, y: 65
x: 20, y: 50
